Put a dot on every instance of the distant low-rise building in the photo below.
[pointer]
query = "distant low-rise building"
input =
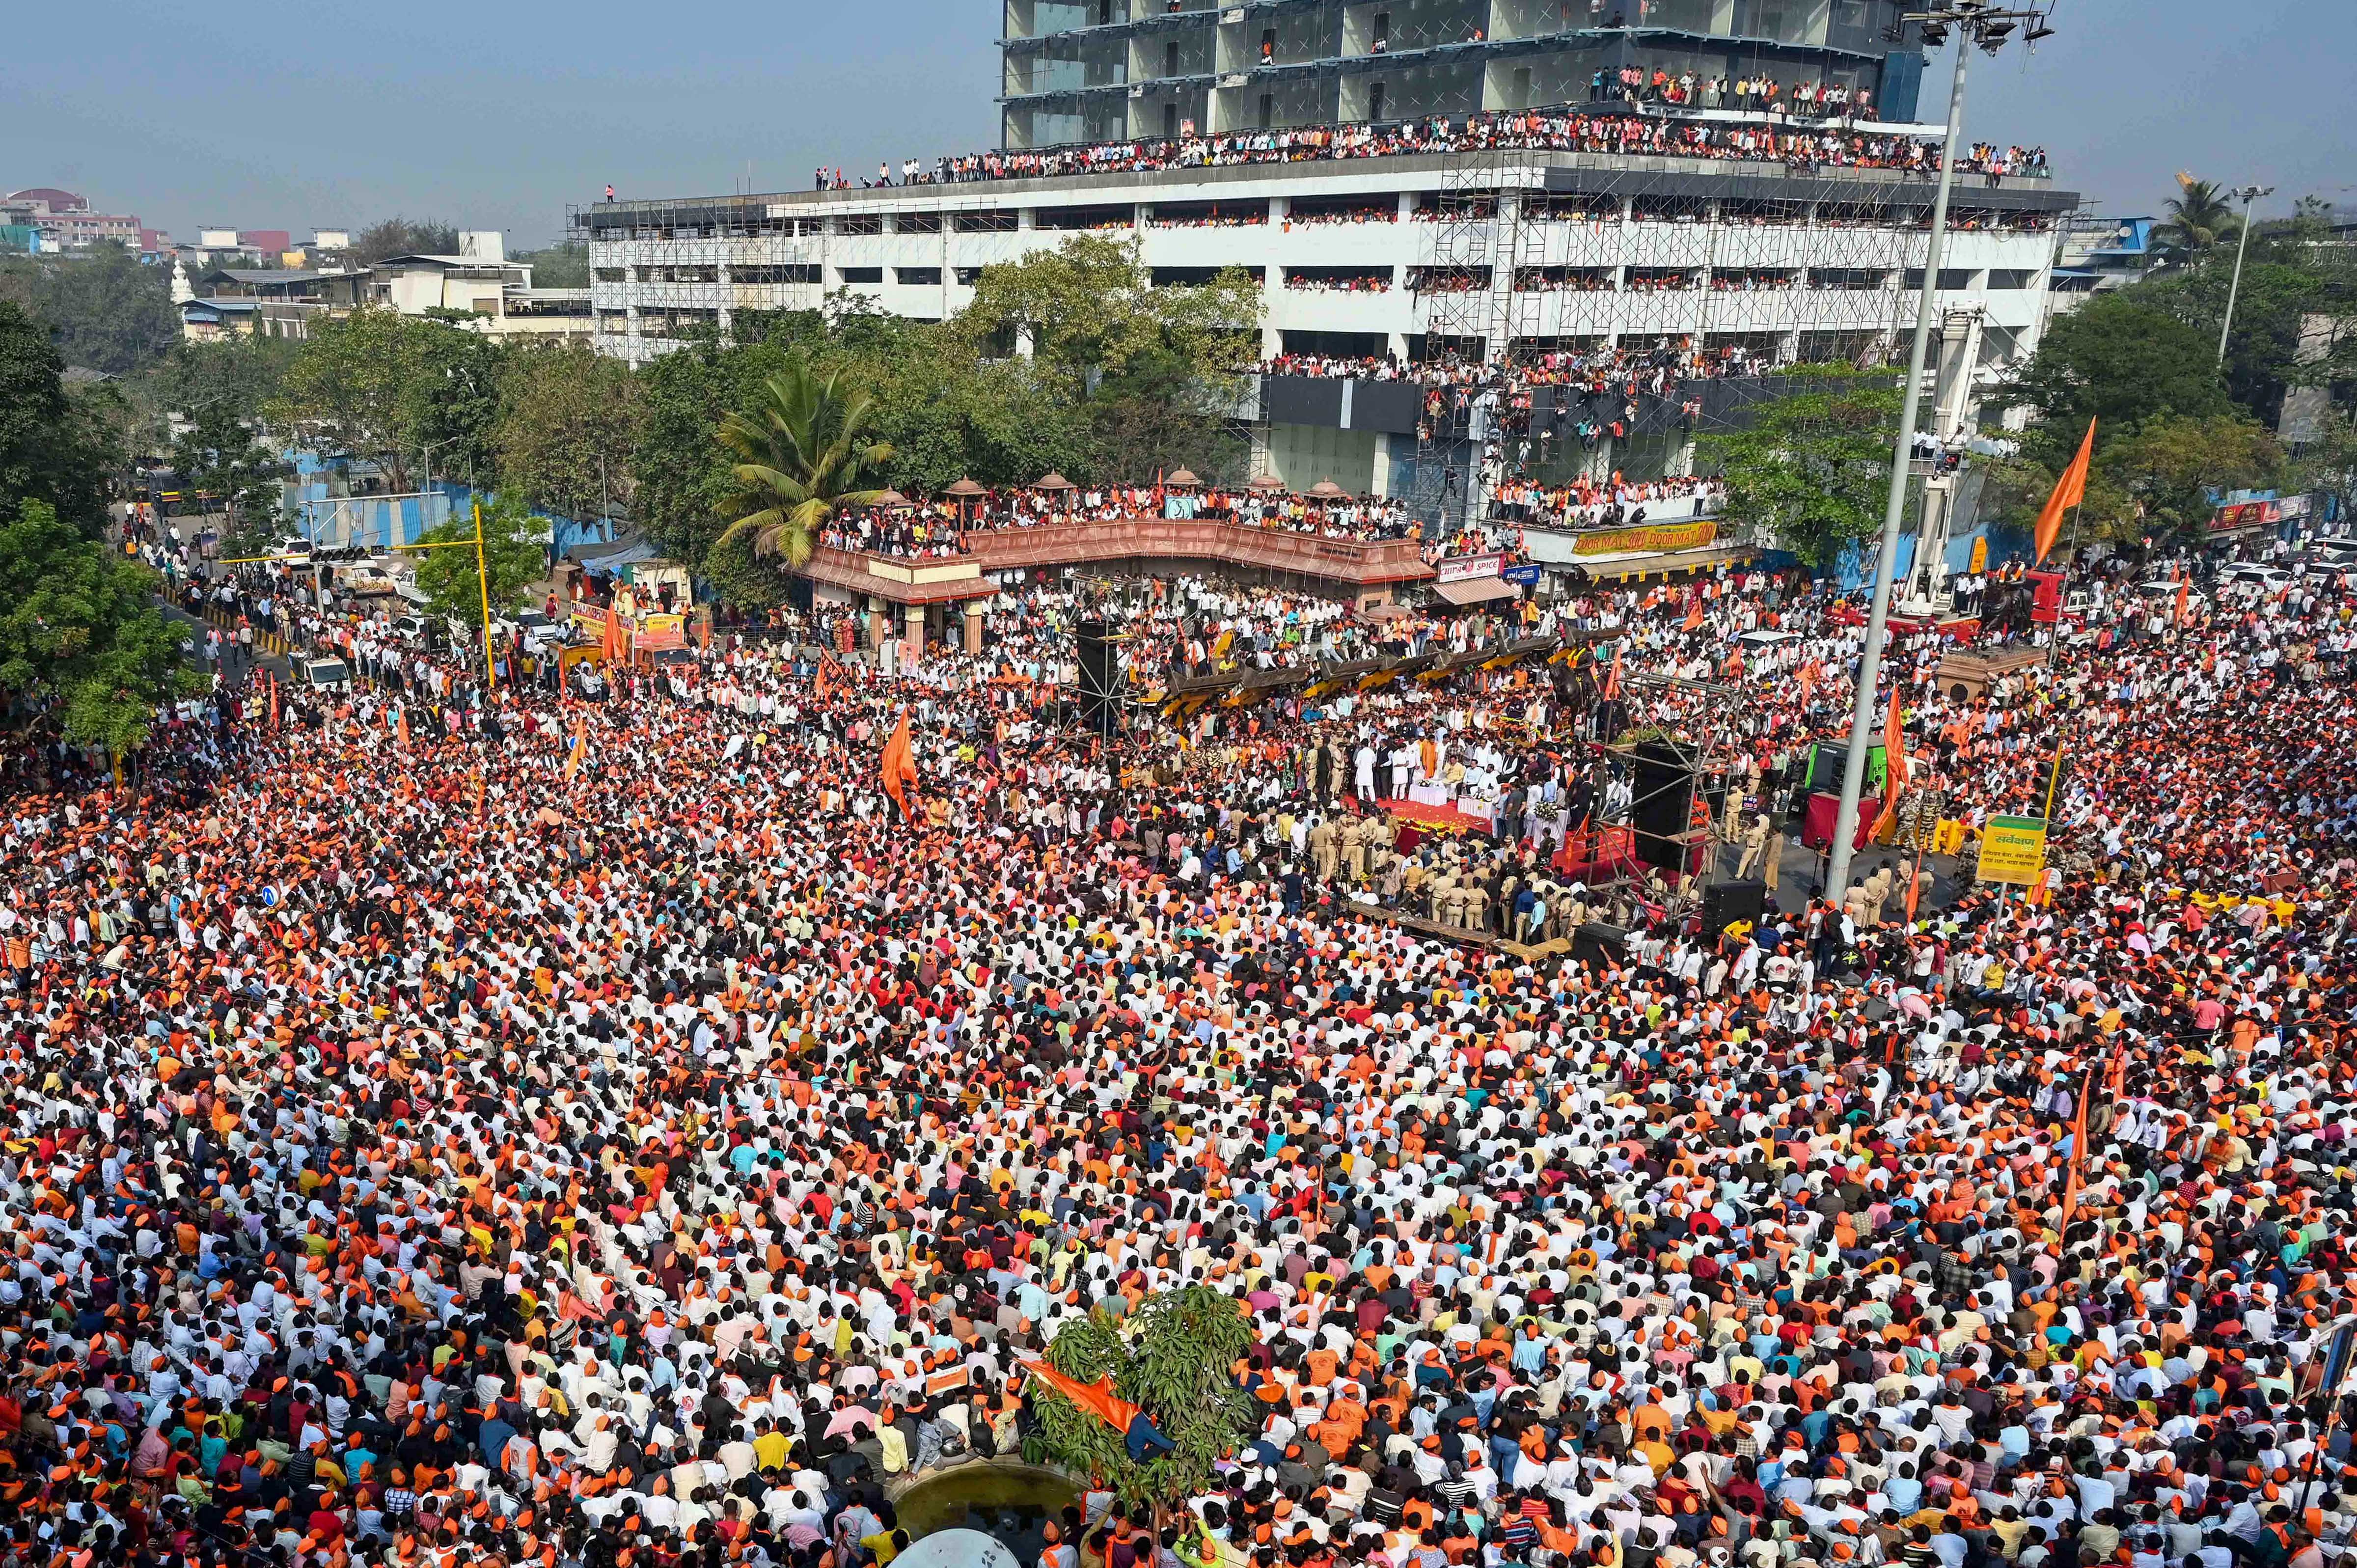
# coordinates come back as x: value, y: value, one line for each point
x: 62, y: 221
x: 2095, y: 254
x: 478, y: 289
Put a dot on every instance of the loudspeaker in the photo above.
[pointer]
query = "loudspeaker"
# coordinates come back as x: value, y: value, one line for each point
x: 1724, y: 903
x: 1100, y: 675
x: 1597, y: 940
x: 1661, y: 801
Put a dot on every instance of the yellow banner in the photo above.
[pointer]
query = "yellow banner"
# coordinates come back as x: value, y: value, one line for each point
x: 1647, y: 536
x: 2013, y: 849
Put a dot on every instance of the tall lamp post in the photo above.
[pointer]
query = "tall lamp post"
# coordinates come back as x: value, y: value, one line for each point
x: 2249, y: 194
x: 1975, y: 23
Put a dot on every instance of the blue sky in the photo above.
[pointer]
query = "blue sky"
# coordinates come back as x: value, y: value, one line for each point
x: 279, y: 115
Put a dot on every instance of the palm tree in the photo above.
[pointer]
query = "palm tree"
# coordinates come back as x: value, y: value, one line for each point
x: 2198, y: 219
x: 799, y: 460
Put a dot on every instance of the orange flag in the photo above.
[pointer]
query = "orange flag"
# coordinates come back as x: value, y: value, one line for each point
x: 1612, y: 677
x: 2184, y: 594
x: 1098, y: 1398
x: 613, y: 643
x: 580, y: 744
x: 2069, y: 492
x: 898, y: 768
x: 1693, y: 612
x: 1894, y: 766
x: 2077, y: 1155
x: 401, y: 725
x: 274, y: 699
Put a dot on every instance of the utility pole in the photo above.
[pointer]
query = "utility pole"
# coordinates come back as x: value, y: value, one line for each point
x: 1975, y: 23
x: 2249, y: 194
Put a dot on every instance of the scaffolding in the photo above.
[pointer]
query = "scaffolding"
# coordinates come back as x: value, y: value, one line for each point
x: 663, y: 269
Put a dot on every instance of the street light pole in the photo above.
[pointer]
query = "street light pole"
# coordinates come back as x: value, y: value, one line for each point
x: 2250, y: 193
x: 1975, y: 23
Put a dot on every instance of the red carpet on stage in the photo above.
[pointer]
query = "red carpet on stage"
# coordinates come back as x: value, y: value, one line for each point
x: 1446, y: 819
x: 1589, y: 857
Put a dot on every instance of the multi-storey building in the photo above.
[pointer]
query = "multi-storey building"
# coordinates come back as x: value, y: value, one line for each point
x: 1107, y: 70
x: 1668, y: 218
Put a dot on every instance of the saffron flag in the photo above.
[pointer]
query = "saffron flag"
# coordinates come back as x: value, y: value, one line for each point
x: 401, y: 725
x: 613, y: 642
x: 1894, y: 766
x: 2069, y: 492
x: 1612, y: 677
x: 273, y: 700
x: 1097, y: 1398
x: 580, y: 744
x: 2184, y: 593
x: 2078, y: 1157
x: 899, y: 769
x: 1693, y: 611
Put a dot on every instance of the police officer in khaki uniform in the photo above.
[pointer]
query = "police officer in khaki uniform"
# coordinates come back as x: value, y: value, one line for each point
x: 1323, y: 843
x: 1356, y: 835
x: 1755, y: 845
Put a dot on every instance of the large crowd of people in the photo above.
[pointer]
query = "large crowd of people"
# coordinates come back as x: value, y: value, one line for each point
x: 452, y: 1123
x: 1769, y: 138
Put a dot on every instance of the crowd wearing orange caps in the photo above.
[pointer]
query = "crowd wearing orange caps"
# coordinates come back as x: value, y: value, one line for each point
x: 460, y: 1142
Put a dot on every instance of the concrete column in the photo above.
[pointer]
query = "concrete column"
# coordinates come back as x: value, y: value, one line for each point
x: 1383, y: 480
x: 973, y: 628
x: 914, y: 618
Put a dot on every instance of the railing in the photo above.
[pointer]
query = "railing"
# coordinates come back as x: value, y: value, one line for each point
x: 1359, y: 561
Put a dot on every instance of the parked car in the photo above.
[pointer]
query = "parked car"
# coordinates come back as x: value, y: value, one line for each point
x: 366, y: 582
x: 326, y: 674
x: 537, y: 632
x: 2256, y: 575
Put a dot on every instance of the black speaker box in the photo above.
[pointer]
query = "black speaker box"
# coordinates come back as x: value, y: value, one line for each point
x: 1724, y: 903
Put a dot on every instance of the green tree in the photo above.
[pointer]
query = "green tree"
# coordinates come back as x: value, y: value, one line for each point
x: 1813, y: 470
x: 241, y: 374
x: 2159, y: 481
x: 81, y: 641
x: 1157, y: 414
x: 562, y: 266
x: 513, y: 560
x: 800, y: 454
x: 219, y: 456
x: 374, y: 384
x: 452, y: 406
x: 566, y: 416
x: 106, y: 309
x: 58, y: 446
x: 2200, y: 216
x: 2120, y: 359
x: 1090, y: 306
x: 399, y: 236
x: 1173, y: 1357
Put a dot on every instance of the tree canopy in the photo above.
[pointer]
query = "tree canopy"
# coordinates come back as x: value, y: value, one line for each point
x: 1814, y: 469
x: 798, y: 455
x: 105, y: 309
x: 514, y: 559
x: 1173, y: 1357
x: 82, y: 643
x: 56, y: 444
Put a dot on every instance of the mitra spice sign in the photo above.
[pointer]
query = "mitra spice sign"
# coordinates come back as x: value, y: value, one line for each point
x: 1651, y: 536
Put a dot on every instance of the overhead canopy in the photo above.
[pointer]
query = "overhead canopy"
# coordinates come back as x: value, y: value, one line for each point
x: 963, y: 488
x: 1183, y: 479
x: 1055, y: 482
x: 1475, y: 590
